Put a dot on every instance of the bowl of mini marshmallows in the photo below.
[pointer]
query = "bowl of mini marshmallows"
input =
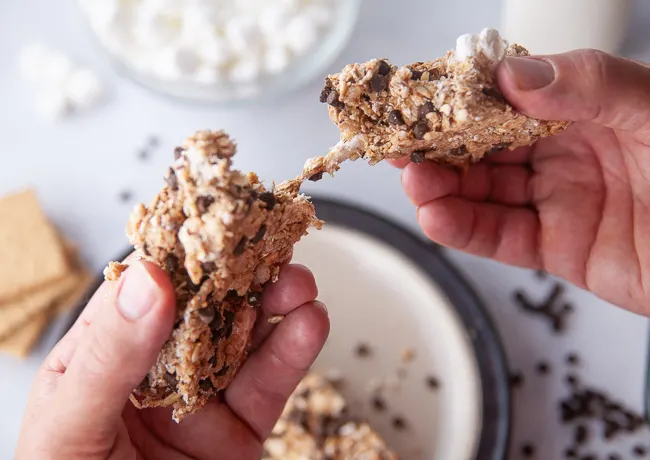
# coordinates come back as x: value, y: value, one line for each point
x: 222, y: 51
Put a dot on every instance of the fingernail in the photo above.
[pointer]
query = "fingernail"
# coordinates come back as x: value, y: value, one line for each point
x: 321, y: 305
x: 530, y: 73
x: 137, y: 293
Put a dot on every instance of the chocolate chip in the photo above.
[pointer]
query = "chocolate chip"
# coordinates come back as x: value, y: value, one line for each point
x: 378, y: 403
x: 171, y: 263
x: 395, y: 118
x: 399, y: 423
x: 580, y: 435
x: 316, y: 177
x: 493, y: 93
x: 426, y: 109
x: 125, y: 196
x: 259, y: 235
x: 516, y: 379
x: 570, y: 453
x: 229, y: 320
x: 208, y: 267
x: 145, y: 250
x: 255, y: 299
x: 384, y: 68
x: 639, y: 451
x: 498, y: 147
x: 171, y: 380
x: 206, y: 315
x: 217, y: 321
x: 528, y: 450
x: 363, y: 350
x: 241, y: 246
x: 178, y: 151
x: 223, y: 371
x: 324, y: 94
x: 206, y: 384
x: 269, y: 199
x: 421, y: 129
x: 433, y: 383
x: 379, y: 83
x: 171, y: 180
x: 571, y: 380
x: 572, y: 359
x: 543, y: 368
x: 417, y: 157
x: 333, y: 99
x: 203, y: 203
x: 614, y: 457
x: 416, y: 74
x: 460, y: 151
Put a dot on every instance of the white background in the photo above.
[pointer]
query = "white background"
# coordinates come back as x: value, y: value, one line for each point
x: 79, y: 167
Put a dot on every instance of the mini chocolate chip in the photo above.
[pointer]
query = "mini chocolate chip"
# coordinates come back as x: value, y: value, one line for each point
x: 639, y: 451
x: 223, y: 371
x: 254, y: 299
x: 363, y: 350
x: 145, y: 250
x: 241, y: 246
x: 384, y: 68
x: 543, y: 368
x: 426, y: 109
x: 417, y: 157
x: 570, y: 453
x: 269, y: 199
x: 178, y: 151
x: 571, y: 380
x: 572, y: 359
x: 206, y: 384
x: 462, y: 150
x: 208, y: 267
x: 421, y: 129
x: 416, y: 74
x: 378, y: 404
x: 399, y: 423
x: 433, y: 383
x: 171, y: 262
x: 324, y: 94
x: 498, y: 147
x: 259, y: 235
x: 203, y: 203
x: 206, y: 315
x: 171, y: 380
x: 516, y: 379
x: 580, y: 435
x: 493, y: 93
x: 379, y: 83
x: 143, y: 154
x: 528, y: 450
x: 588, y: 457
x: 614, y: 457
x: 316, y: 177
x: 395, y: 118
x: 125, y: 196
x: 333, y: 99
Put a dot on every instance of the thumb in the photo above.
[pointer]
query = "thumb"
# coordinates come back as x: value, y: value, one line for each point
x: 583, y: 85
x: 119, y: 347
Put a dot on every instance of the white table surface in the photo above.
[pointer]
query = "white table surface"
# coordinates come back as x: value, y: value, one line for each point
x: 79, y: 167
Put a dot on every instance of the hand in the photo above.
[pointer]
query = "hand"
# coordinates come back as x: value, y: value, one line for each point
x: 576, y: 205
x: 79, y: 409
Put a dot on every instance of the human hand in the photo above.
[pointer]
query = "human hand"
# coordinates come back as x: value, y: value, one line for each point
x: 79, y: 409
x: 576, y: 205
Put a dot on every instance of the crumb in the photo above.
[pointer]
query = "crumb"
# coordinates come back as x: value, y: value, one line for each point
x: 363, y: 350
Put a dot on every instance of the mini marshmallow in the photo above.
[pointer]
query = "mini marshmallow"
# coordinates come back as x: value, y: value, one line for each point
x: 246, y: 70
x: 32, y: 58
x: 243, y: 34
x: 301, y: 34
x: 215, y: 51
x: 154, y: 28
x: 208, y: 75
x: 83, y: 89
x: 175, y: 63
x: 276, y: 59
x: 52, y: 105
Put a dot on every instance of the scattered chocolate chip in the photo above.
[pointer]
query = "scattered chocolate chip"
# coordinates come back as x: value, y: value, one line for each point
x: 384, y: 68
x: 125, y: 196
x: 178, y: 151
x: 416, y: 74
x: 206, y: 315
x: 379, y: 83
x: 363, y: 350
x: 399, y: 423
x: 203, y: 203
x: 493, y: 93
x: 206, y: 384
x: 259, y: 235
x: 580, y: 435
x: 171, y: 380
x: 153, y: 141
x: 223, y: 371
x: 528, y: 450
x: 571, y: 380
x: 550, y: 308
x: 324, y: 94
x: 395, y: 118
x: 378, y: 404
x: 316, y: 177
x: 208, y: 267
x: 426, y: 109
x: 639, y: 451
x: 241, y: 246
x: 516, y: 379
x: 255, y: 299
x: 333, y: 99
x: 269, y: 199
x: 172, y: 180
x: 460, y: 151
x: 572, y: 359
x: 543, y: 368
x: 145, y: 250
x: 421, y: 129
x: 432, y: 382
x: 143, y: 154
x: 171, y: 263
x: 418, y: 157
x: 570, y: 453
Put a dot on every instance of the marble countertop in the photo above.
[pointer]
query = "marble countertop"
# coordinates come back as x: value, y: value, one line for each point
x: 80, y: 166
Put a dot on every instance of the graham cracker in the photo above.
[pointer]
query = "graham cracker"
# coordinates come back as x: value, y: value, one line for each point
x: 31, y: 254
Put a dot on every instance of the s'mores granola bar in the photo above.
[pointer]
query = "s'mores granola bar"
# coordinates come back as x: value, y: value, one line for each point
x: 315, y: 425
x: 449, y: 110
x: 221, y: 236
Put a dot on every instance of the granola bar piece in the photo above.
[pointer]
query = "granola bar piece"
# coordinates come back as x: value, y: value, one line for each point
x: 221, y: 235
x: 449, y: 110
x: 315, y: 425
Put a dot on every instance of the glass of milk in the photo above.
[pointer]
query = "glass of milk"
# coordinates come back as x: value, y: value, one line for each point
x: 556, y: 26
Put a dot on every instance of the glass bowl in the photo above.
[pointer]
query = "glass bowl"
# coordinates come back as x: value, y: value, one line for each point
x: 299, y: 72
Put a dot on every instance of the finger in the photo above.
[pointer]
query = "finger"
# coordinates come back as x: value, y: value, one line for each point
x: 119, y: 346
x: 583, y: 85
x: 401, y: 163
x: 271, y: 374
x: 295, y: 286
x: 503, y: 233
x: 504, y: 184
